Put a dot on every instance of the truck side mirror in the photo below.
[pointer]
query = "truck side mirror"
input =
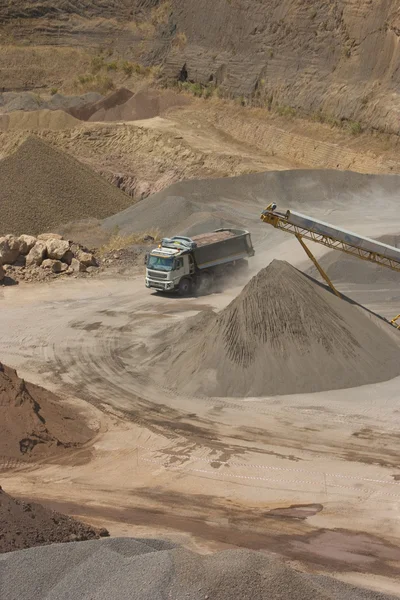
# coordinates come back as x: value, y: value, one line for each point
x: 146, y: 258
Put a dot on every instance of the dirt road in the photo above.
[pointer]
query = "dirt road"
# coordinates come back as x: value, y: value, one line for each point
x: 210, y: 471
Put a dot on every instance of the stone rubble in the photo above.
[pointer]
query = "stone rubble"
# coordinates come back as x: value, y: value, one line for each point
x: 29, y: 258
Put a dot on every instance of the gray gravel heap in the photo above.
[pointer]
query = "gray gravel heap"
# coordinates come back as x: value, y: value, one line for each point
x: 42, y: 187
x: 134, y: 569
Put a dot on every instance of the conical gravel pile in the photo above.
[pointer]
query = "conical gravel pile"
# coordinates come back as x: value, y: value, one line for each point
x: 283, y: 334
x: 42, y: 188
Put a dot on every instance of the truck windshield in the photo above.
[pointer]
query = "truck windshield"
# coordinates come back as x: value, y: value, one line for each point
x: 159, y: 263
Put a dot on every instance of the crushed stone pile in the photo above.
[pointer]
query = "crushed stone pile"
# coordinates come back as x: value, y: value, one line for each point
x: 34, y: 422
x: 25, y: 524
x: 283, y: 334
x: 29, y: 101
x: 42, y: 187
x: 153, y: 570
x: 55, y: 120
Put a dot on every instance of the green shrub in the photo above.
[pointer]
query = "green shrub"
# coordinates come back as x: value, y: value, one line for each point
x: 127, y: 68
x: 97, y: 64
x: 355, y: 127
x: 112, y: 66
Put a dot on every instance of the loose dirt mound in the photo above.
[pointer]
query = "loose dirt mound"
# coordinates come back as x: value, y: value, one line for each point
x: 40, y: 119
x: 34, y: 423
x: 23, y: 525
x: 111, y: 102
x: 284, y: 334
x: 41, y: 188
x: 145, y: 104
x: 154, y: 569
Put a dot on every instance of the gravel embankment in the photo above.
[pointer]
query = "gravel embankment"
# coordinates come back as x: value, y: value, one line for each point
x: 122, y: 568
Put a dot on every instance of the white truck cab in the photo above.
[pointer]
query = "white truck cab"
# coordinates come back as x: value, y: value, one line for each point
x: 166, y: 267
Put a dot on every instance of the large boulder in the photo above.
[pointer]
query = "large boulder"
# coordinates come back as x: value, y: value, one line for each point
x: 49, y: 236
x: 26, y: 243
x: 56, y: 249
x: 68, y: 256
x: 76, y: 266
x: 86, y: 258
x: 54, y: 265
x: 9, y: 250
x: 2, y: 273
x: 36, y: 254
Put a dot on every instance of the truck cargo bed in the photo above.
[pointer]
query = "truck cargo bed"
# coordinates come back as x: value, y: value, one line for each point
x: 221, y: 247
x: 211, y: 238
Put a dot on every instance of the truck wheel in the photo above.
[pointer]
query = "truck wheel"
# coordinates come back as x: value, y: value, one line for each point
x: 205, y: 283
x: 185, y: 287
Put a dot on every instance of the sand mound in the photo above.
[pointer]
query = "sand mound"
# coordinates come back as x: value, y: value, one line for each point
x: 39, y: 119
x: 42, y: 187
x: 34, y: 423
x: 145, y: 104
x: 109, y: 103
x: 283, y: 334
x: 154, y: 569
x: 23, y: 525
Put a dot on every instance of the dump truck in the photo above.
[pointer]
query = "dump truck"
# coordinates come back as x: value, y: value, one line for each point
x: 186, y: 264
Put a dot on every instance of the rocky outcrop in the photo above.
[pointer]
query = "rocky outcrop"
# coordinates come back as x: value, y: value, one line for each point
x: 337, y: 58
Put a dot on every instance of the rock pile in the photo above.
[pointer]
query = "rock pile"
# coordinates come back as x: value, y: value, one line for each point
x: 28, y: 257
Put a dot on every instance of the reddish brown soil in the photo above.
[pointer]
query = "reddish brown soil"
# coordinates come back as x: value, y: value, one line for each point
x: 23, y: 525
x: 34, y: 422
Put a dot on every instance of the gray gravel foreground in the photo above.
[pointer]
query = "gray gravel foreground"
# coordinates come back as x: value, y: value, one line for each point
x: 134, y: 569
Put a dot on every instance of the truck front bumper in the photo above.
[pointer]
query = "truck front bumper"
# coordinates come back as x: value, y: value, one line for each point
x: 164, y: 286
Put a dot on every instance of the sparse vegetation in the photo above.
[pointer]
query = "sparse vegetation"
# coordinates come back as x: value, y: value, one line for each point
x: 112, y: 66
x: 286, y: 111
x: 322, y: 117
x: 160, y: 14
x: 53, y: 91
x: 119, y: 241
x: 355, y: 127
x: 180, y: 40
x: 127, y: 67
x: 94, y: 83
x: 97, y: 64
x: 199, y: 90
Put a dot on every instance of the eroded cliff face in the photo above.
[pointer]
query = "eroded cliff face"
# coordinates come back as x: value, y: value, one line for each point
x: 338, y: 57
